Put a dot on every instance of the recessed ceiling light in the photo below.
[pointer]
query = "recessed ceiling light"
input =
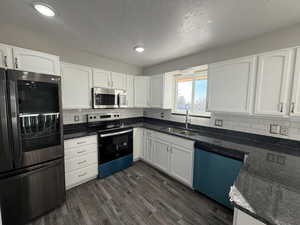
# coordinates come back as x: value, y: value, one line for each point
x: 44, y: 9
x: 139, y: 49
x: 209, y: 21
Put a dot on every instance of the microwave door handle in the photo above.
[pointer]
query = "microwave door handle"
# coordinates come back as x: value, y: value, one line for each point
x: 14, y: 119
x: 115, y: 133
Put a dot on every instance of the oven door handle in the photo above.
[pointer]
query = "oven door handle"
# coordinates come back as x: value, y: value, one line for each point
x: 115, y: 133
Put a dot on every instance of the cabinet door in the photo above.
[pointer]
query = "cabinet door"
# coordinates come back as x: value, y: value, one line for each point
x: 272, y: 84
x: 34, y: 61
x: 118, y: 81
x: 231, y: 85
x: 101, y: 78
x: 137, y: 143
x: 5, y: 56
x: 76, y: 86
x: 295, y: 101
x: 161, y: 154
x: 156, y: 91
x: 130, y: 90
x: 241, y: 218
x: 181, y: 164
x: 141, y: 91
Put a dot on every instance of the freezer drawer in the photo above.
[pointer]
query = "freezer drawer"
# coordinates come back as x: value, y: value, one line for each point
x: 32, y: 193
x: 214, y: 174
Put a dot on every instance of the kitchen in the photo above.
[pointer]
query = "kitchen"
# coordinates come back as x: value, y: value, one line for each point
x: 150, y: 112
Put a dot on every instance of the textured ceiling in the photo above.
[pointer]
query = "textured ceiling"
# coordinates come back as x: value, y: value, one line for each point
x: 167, y: 28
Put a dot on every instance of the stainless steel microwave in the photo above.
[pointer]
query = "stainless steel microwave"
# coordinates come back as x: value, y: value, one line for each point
x: 108, y: 98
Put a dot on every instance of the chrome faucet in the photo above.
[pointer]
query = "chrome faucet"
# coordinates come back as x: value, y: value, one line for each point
x: 187, y: 119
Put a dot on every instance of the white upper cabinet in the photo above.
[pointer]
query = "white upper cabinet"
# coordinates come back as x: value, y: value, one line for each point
x: 156, y: 91
x: 231, y: 85
x: 101, y: 78
x: 76, y: 86
x: 6, y: 56
x: 141, y: 91
x: 130, y: 90
x: 161, y: 91
x: 118, y: 81
x: 295, y: 101
x: 34, y: 61
x: 272, y: 83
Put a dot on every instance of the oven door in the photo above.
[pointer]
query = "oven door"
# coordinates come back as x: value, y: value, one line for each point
x: 114, y: 145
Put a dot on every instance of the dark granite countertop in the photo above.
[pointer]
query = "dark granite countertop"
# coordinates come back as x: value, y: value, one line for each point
x: 268, y: 186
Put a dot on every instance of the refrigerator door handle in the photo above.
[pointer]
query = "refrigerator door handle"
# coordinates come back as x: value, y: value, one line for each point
x: 14, y: 120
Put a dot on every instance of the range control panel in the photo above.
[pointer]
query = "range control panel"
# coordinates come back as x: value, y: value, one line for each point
x: 102, y: 117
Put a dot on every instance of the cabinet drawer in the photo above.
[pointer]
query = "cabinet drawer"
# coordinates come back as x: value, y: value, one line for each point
x: 80, y: 151
x: 81, y: 175
x: 77, y: 142
x: 81, y: 162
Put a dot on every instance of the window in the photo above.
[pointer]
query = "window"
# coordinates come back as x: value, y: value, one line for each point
x: 191, y: 89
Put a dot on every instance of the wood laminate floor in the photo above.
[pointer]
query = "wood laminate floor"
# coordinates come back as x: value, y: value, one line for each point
x: 139, y: 195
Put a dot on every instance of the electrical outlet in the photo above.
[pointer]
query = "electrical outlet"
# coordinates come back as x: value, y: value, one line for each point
x: 162, y: 115
x: 218, y: 123
x: 271, y: 157
x: 76, y: 118
x: 284, y: 130
x: 281, y: 160
x: 274, y: 128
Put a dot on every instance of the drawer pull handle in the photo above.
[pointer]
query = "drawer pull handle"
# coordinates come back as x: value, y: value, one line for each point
x: 81, y: 142
x: 81, y: 175
x: 81, y: 152
x: 81, y: 162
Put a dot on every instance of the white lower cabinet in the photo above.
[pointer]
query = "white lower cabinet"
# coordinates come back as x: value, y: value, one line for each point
x: 241, y: 218
x: 182, y: 164
x: 161, y: 157
x: 173, y: 155
x: 81, y: 160
x: 137, y: 143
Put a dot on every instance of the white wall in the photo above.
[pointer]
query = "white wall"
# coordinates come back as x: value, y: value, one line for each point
x: 24, y: 38
x: 287, y: 37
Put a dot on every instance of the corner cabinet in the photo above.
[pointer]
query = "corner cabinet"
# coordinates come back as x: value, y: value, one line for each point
x: 141, y: 91
x: 177, y: 160
x: 231, y: 85
x: 76, y: 86
x: 34, y: 61
x: 6, y: 56
x: 273, y: 83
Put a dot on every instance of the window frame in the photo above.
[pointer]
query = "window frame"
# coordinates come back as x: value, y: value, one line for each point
x: 193, y: 75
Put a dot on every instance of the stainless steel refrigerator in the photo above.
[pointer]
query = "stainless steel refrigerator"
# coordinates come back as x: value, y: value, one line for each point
x: 31, y: 146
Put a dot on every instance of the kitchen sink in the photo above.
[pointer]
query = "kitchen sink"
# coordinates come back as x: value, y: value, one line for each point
x: 179, y: 131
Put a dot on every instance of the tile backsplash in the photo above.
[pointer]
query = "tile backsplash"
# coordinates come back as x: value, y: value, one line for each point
x: 80, y: 115
x: 276, y: 127
x: 283, y: 127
